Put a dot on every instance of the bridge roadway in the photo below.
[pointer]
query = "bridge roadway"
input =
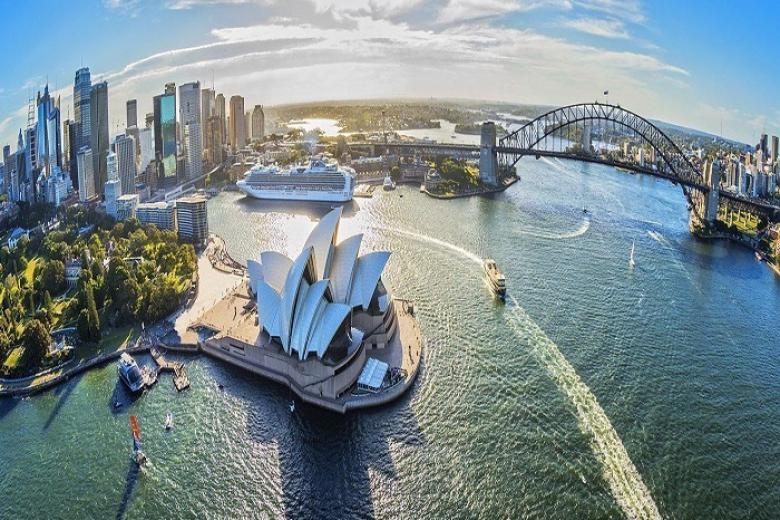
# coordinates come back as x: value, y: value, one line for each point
x: 762, y: 207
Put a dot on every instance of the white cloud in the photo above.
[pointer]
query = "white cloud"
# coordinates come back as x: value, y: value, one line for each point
x: 606, y: 28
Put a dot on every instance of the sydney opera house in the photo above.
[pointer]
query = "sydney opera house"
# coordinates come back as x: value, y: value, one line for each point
x: 323, y: 323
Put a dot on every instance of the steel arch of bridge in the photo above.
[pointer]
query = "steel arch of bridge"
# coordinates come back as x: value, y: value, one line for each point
x: 524, y: 140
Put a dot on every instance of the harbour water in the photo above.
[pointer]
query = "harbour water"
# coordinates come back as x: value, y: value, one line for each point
x: 598, y: 391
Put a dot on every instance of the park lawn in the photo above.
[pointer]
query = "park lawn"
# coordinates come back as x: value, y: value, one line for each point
x: 29, y: 270
x: 13, y: 359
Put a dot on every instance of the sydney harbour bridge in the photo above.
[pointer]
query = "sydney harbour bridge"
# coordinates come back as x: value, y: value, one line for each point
x: 568, y: 132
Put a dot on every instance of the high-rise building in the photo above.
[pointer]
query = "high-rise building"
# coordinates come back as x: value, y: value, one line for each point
x: 86, y: 169
x: 82, y: 87
x: 9, y: 167
x: 161, y: 214
x: 237, y: 129
x: 764, y: 147
x: 165, y: 141
x: 207, y: 104
x: 219, y: 111
x: 149, y: 120
x: 773, y: 150
x: 258, y: 122
x: 98, y: 113
x: 132, y: 113
x: 215, y: 137
x: 112, y: 190
x: 124, y: 148
x: 146, y: 148
x: 192, y: 138
x: 47, y: 134
x: 248, y: 126
x: 192, y: 219
x: 72, y: 141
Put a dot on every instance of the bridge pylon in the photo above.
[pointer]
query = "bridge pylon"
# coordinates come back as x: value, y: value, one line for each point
x: 488, y: 158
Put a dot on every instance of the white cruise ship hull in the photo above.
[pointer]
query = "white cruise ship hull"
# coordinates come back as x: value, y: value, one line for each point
x: 306, y: 195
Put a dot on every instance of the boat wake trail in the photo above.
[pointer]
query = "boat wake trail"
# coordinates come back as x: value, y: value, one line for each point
x: 584, y: 227
x: 618, y: 470
x: 623, y: 478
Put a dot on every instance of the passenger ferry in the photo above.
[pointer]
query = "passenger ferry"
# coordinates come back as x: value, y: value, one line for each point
x: 129, y: 373
x: 495, y: 278
x: 318, y: 181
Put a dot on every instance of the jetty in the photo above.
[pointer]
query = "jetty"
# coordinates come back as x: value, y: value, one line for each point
x: 180, y: 379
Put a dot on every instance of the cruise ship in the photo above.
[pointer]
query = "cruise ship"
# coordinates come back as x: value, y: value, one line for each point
x: 319, y: 181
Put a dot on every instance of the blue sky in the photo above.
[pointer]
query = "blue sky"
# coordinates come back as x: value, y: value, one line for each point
x: 696, y: 63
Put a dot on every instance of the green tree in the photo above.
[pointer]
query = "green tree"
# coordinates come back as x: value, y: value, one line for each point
x: 53, y: 276
x: 36, y: 340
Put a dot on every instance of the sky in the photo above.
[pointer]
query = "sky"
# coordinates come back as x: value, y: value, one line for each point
x: 706, y: 64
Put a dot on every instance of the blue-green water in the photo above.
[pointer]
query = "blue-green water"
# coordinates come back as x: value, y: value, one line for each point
x: 599, y: 391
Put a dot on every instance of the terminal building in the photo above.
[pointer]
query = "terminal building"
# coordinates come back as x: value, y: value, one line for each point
x: 323, y: 324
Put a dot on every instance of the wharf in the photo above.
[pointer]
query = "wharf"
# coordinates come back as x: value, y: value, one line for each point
x: 180, y: 379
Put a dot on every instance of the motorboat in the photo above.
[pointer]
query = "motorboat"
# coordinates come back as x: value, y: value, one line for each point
x: 168, y: 421
x: 388, y: 183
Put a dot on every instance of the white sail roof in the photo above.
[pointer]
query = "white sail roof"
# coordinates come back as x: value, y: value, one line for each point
x: 304, y: 302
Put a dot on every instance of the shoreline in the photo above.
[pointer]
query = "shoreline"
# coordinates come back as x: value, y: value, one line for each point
x: 463, y: 195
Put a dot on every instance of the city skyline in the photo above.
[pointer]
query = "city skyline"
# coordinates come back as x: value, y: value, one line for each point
x: 651, y: 58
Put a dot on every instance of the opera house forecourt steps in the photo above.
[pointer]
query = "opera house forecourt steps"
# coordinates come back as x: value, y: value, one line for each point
x: 323, y: 324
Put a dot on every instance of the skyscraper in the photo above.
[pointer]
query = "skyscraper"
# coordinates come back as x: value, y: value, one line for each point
x: 237, y: 130
x: 86, y: 174
x: 215, y: 139
x: 258, y: 122
x: 81, y: 108
x: 72, y: 144
x: 124, y: 148
x: 219, y: 111
x: 165, y: 135
x: 192, y: 138
x: 47, y: 137
x: 146, y: 147
x: 98, y: 113
x: 207, y: 105
x: 773, y: 150
x: 132, y: 113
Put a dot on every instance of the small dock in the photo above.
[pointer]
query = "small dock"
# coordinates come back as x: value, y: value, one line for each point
x: 180, y: 379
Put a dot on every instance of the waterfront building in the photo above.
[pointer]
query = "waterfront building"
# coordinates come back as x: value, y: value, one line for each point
x: 125, y: 148
x: 126, y: 206
x: 165, y: 141
x: 132, y: 113
x: 258, y: 123
x: 190, y: 121
x: 192, y: 219
x: 237, y: 128
x: 323, y: 323
x: 161, y: 214
x: 85, y: 166
x: 99, y: 140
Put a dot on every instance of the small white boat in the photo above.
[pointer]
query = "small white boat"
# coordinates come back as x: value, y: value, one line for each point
x: 292, y: 406
x: 168, y: 421
x: 631, y: 261
x: 388, y: 183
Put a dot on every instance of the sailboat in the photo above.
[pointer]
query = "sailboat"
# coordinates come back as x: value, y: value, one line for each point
x: 631, y: 261
x: 138, y: 455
